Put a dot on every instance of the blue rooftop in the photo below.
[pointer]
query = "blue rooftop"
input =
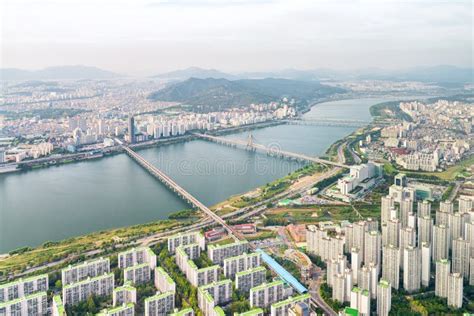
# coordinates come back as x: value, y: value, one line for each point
x: 282, y: 273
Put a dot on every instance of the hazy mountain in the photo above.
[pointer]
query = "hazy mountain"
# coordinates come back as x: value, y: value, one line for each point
x: 212, y: 94
x: 56, y: 73
x: 194, y: 72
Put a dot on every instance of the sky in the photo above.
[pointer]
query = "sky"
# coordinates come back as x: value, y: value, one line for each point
x: 146, y: 37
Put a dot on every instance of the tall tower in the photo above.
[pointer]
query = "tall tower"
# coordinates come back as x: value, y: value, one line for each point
x: 443, y: 268
x: 411, y: 269
x: 131, y: 129
x: 391, y: 265
x: 384, y: 298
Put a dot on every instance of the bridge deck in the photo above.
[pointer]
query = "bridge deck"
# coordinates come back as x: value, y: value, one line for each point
x: 273, y: 151
x: 160, y: 175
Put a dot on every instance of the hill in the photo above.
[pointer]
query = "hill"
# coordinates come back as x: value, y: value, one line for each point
x: 56, y: 73
x: 213, y: 94
x: 194, y: 72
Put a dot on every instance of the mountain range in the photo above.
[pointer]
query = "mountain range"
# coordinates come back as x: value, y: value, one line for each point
x: 434, y: 74
x: 212, y: 94
x: 56, y: 73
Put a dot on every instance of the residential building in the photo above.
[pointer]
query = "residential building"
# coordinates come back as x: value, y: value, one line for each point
x: 245, y: 280
x: 425, y: 264
x: 101, y: 285
x: 163, y: 282
x: 440, y: 242
x: 217, y: 253
x: 122, y: 310
x: 137, y: 274
x: 124, y: 294
x: 32, y: 304
x: 136, y: 256
x: 266, y: 294
x: 460, y: 257
x: 384, y: 298
x: 455, y: 290
x: 183, y: 239
x: 220, y: 292
x: 443, y: 267
x: 82, y: 271
x: 57, y: 308
x: 282, y: 308
x: 23, y: 287
x: 411, y: 269
x: 160, y: 304
x: 184, y: 312
x: 240, y: 263
x: 373, y: 245
x: 391, y: 265
x: 360, y: 300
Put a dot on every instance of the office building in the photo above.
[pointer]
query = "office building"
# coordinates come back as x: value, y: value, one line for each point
x: 411, y: 269
x: 460, y: 257
x: 245, y: 280
x: 240, y: 263
x: 384, y: 298
x: 32, y: 304
x: 297, y: 305
x: 124, y: 294
x: 183, y: 239
x: 82, y: 271
x: 391, y: 265
x: 136, y: 256
x: 159, y: 304
x: 455, y: 290
x: 138, y: 274
x: 360, y: 300
x: 217, y: 253
x: 77, y: 292
x: 266, y: 294
x: 23, y: 287
x: 443, y: 269
x: 163, y: 282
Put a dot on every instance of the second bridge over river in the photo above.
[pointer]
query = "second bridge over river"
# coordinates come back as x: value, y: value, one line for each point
x: 268, y: 150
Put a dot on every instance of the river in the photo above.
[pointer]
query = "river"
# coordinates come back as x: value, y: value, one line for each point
x: 69, y: 200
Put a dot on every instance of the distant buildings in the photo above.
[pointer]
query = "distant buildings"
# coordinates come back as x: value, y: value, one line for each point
x: 360, y: 179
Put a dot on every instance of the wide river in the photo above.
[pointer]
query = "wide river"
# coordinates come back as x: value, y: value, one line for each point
x: 60, y: 202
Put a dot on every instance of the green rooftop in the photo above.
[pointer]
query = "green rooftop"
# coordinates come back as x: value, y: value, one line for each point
x: 115, y: 309
x: 182, y: 312
x: 159, y: 296
x: 219, y: 311
x: 253, y: 312
x: 351, y: 311
x: 266, y: 285
x: 88, y: 280
x: 292, y: 300
x: 259, y: 268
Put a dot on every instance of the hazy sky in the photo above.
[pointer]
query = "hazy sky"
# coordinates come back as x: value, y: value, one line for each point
x: 152, y: 36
